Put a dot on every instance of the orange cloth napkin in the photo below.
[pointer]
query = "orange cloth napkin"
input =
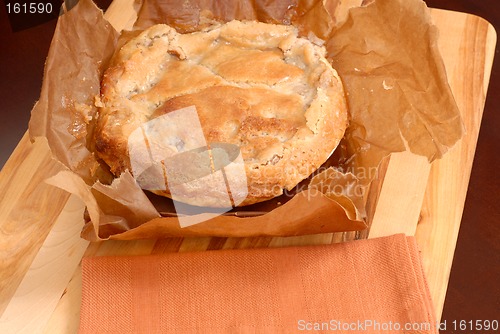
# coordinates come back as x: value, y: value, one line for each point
x: 365, y: 286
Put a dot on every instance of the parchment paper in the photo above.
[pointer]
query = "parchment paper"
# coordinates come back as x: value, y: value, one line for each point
x: 385, y: 52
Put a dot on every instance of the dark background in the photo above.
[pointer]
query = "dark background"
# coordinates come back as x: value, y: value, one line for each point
x: 473, y: 291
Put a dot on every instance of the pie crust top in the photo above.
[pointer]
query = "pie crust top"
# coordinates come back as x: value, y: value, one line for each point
x: 257, y: 86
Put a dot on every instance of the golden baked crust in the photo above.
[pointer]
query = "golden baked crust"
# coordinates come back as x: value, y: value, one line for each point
x: 255, y: 85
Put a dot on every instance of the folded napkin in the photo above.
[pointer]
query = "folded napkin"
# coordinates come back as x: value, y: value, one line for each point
x: 365, y: 286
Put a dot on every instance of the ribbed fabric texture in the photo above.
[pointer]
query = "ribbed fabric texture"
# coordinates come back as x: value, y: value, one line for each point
x: 365, y: 286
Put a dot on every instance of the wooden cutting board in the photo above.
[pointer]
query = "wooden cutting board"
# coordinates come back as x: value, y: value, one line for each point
x: 40, y: 248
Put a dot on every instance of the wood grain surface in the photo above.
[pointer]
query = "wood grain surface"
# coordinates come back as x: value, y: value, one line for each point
x: 40, y: 277
x: 473, y: 289
x: 468, y: 74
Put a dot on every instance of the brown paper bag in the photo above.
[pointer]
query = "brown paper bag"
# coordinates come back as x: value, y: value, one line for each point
x: 385, y: 52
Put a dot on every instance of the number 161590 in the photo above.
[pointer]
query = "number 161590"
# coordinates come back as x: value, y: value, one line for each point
x: 475, y: 325
x: 29, y: 8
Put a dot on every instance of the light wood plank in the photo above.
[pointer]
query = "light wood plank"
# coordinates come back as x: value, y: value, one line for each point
x: 66, y: 317
x: 314, y: 239
x: 468, y: 56
x: 27, y: 211
x: 401, y: 196
x: 121, y: 14
x: 41, y: 288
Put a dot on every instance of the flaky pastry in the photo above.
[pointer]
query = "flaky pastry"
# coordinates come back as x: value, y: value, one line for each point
x: 254, y: 85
